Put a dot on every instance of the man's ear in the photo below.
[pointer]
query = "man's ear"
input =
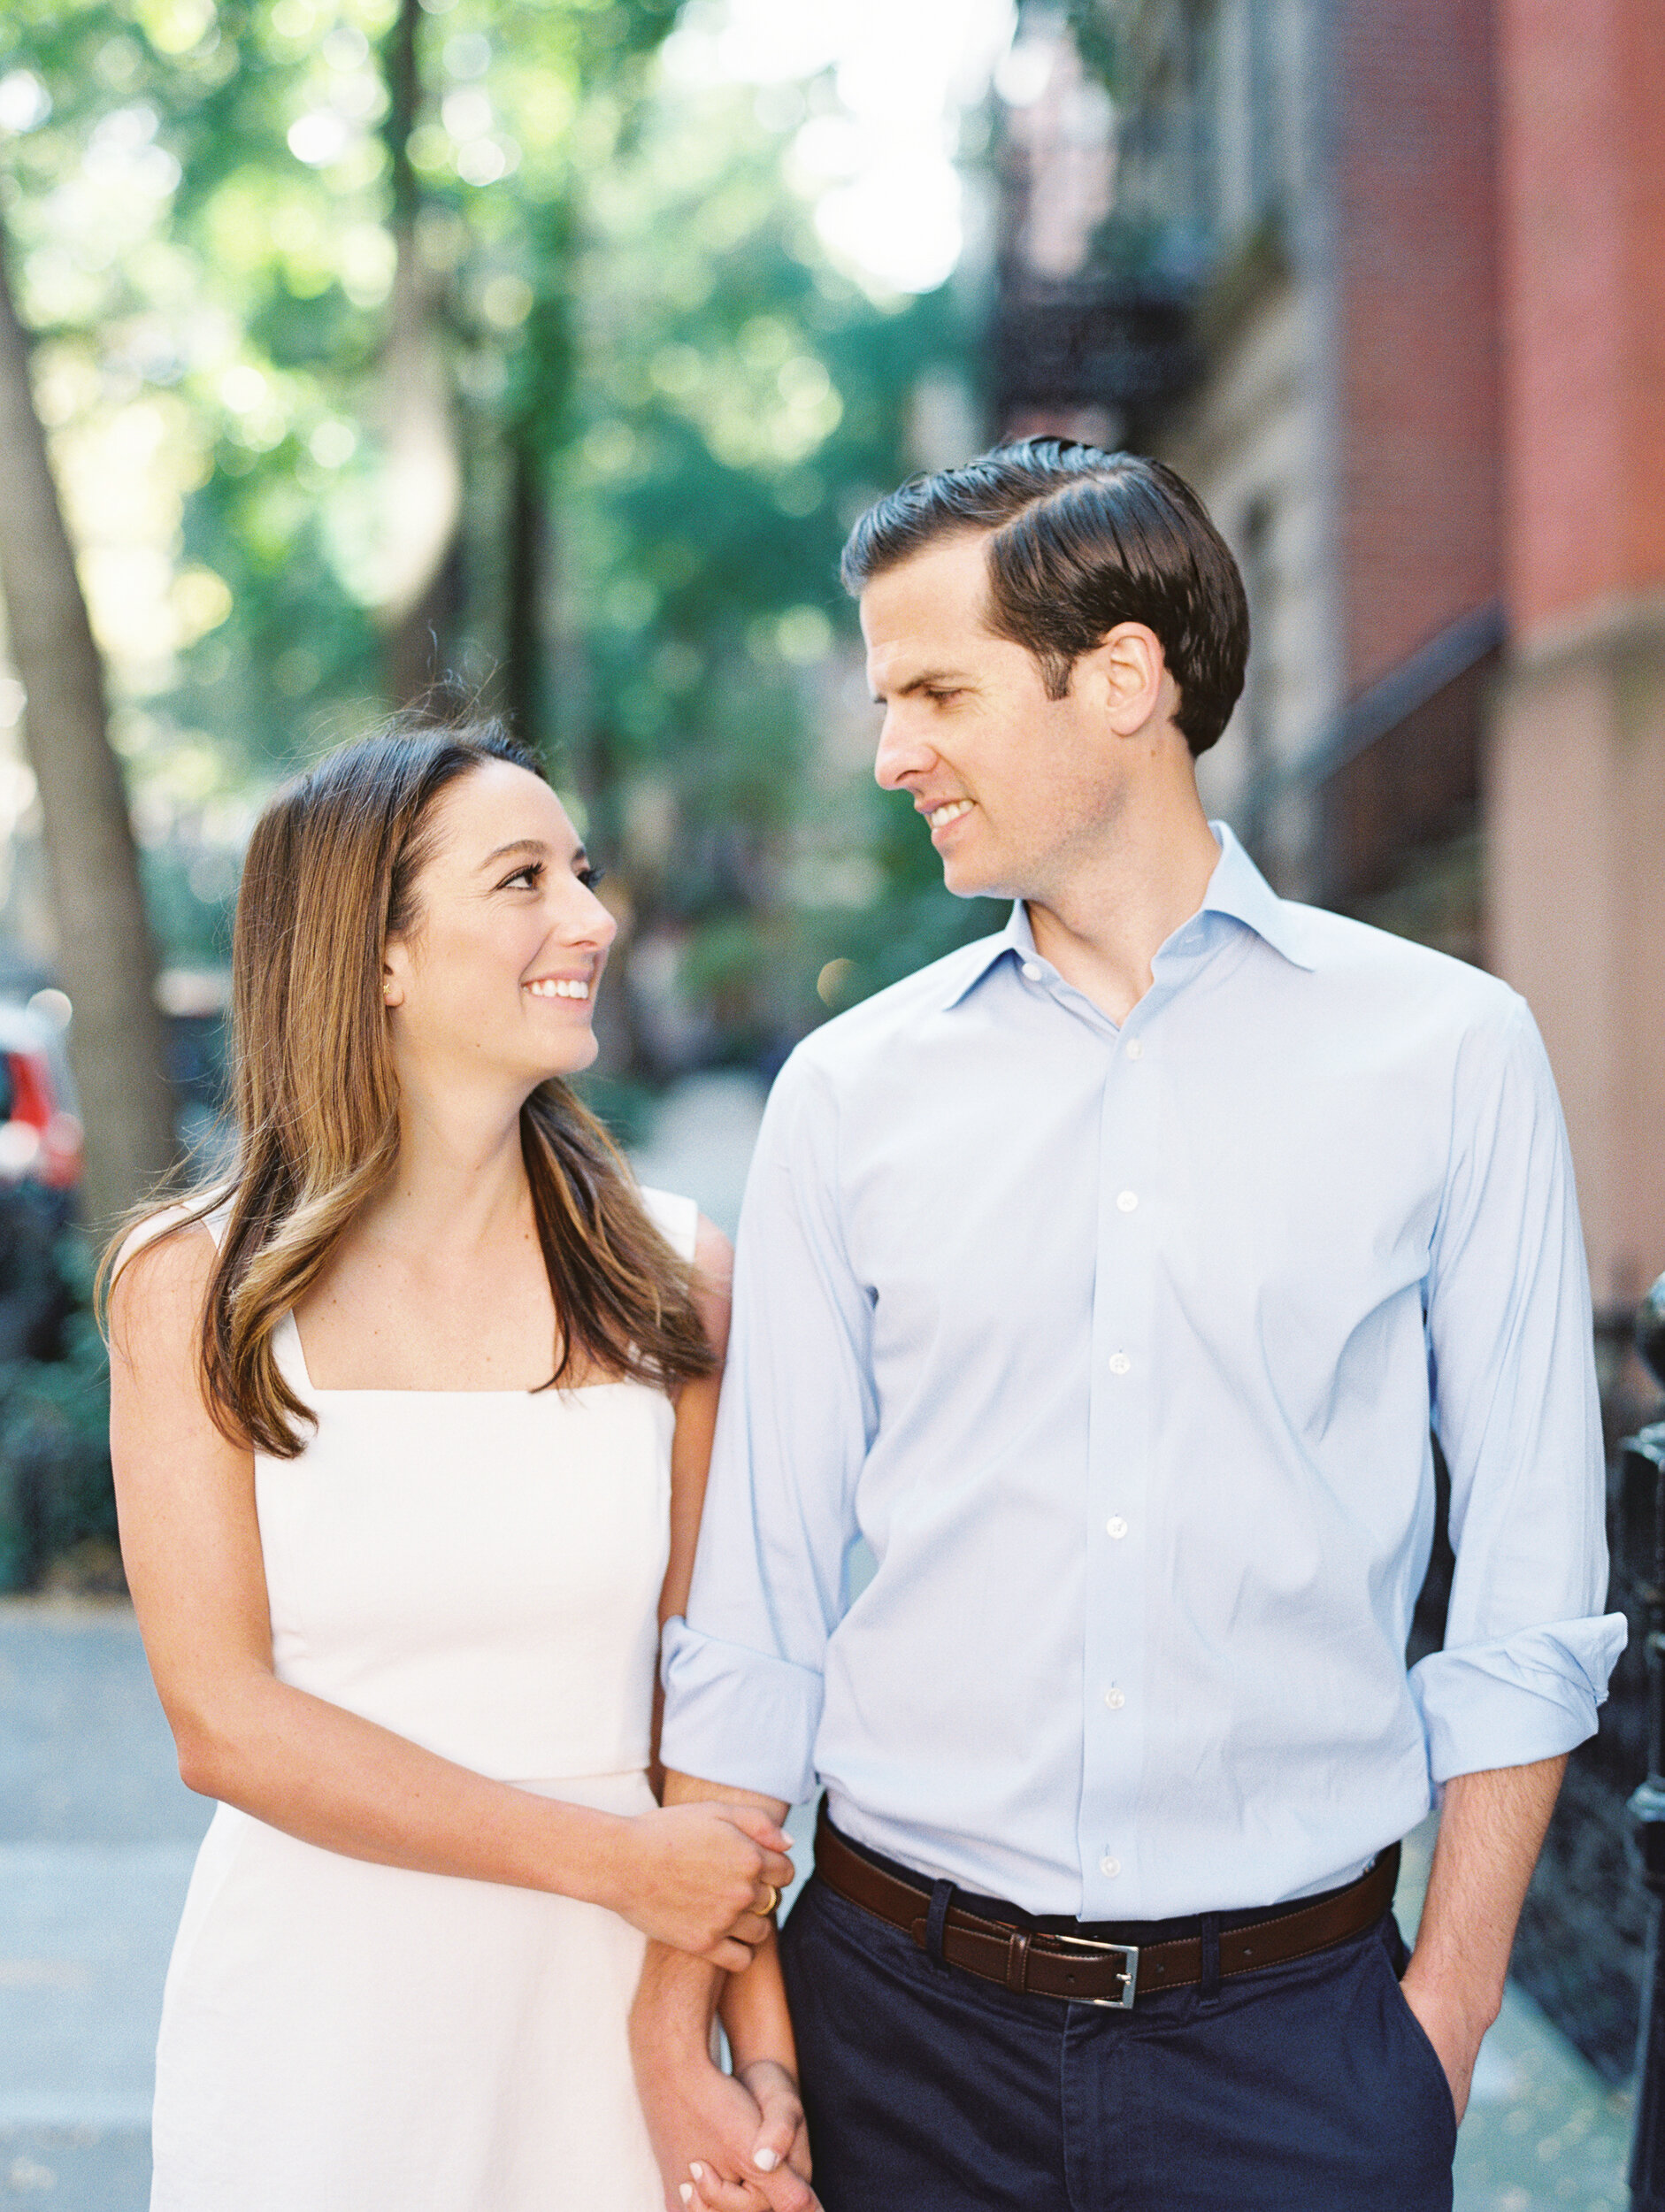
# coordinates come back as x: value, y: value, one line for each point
x: 1125, y: 676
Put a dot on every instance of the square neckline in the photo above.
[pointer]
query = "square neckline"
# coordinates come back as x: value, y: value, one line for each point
x: 289, y: 1330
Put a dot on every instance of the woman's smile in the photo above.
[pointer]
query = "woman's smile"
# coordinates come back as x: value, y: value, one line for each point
x: 566, y: 987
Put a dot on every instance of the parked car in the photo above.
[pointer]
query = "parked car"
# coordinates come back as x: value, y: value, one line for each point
x: 40, y: 1130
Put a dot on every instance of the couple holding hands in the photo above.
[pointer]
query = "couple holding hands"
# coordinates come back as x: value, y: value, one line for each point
x: 1108, y: 1277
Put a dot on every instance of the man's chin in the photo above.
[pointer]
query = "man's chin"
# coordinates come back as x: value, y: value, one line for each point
x: 966, y: 881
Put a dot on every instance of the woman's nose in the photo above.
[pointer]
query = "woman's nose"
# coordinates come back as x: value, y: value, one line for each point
x: 599, y: 926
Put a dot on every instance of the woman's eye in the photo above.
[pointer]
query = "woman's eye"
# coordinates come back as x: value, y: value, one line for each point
x: 589, y: 875
x: 527, y: 877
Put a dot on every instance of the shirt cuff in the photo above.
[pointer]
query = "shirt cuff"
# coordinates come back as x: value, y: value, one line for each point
x: 1534, y: 1695
x: 741, y: 1717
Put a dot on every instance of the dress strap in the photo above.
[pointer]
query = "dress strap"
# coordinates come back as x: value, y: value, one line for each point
x: 175, y: 1217
x: 677, y: 1219
x: 291, y: 1358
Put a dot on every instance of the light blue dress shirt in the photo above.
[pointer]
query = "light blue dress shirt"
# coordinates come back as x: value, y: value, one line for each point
x: 1120, y: 1347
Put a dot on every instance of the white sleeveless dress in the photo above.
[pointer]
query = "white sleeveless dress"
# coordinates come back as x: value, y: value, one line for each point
x: 478, y: 1571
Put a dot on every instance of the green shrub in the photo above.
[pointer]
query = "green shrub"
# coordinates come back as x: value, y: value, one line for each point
x: 56, y: 1501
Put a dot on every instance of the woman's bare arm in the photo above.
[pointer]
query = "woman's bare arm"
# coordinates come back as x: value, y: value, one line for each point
x: 191, y: 1544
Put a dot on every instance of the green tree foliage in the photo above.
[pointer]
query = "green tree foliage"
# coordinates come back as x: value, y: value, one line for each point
x: 738, y: 400
x: 666, y: 404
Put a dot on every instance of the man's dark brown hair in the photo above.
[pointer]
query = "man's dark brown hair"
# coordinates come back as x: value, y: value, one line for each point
x: 1079, y: 540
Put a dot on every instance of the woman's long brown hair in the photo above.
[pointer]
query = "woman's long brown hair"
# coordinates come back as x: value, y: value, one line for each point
x: 330, y: 875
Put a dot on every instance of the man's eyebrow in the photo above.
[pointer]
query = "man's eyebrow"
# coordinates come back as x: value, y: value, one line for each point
x: 929, y: 679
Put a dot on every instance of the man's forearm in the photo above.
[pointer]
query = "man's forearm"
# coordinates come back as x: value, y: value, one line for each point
x: 678, y: 1995
x: 1492, y: 1829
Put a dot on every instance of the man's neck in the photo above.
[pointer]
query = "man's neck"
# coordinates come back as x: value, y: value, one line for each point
x: 1102, y: 922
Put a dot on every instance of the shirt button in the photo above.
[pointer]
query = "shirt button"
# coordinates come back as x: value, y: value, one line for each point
x: 1136, y: 1047
x: 1032, y: 973
x: 1115, y: 1700
x: 1112, y: 1867
x: 1126, y: 1200
x: 1119, y: 1362
x: 1115, y: 1527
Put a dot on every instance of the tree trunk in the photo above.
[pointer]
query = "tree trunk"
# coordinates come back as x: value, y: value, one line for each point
x: 525, y: 675
x: 105, y: 957
x: 422, y: 499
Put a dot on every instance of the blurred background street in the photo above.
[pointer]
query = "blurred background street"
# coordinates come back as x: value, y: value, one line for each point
x: 551, y: 347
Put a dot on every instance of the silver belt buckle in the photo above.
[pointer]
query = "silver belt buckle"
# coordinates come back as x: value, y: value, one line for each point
x: 1128, y: 1978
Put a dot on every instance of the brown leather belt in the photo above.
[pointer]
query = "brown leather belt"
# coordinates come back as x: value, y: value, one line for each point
x: 1087, y: 1972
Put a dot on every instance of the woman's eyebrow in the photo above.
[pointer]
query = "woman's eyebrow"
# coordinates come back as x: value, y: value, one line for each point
x: 536, y: 846
x: 516, y: 844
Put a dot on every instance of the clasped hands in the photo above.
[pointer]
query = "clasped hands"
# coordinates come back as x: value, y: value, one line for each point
x: 702, y: 1880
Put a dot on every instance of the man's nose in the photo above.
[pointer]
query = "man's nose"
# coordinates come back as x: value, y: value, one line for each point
x: 901, y: 753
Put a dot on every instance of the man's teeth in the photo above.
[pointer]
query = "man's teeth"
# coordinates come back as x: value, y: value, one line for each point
x: 554, y: 987
x: 949, y: 813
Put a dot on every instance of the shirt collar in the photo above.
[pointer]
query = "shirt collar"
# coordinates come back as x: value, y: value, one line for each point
x: 1236, y: 889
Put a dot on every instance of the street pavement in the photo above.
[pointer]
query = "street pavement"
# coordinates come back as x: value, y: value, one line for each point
x: 97, y: 1835
x: 701, y: 1142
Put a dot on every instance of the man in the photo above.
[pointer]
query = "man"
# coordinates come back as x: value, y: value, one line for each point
x: 1108, y: 1277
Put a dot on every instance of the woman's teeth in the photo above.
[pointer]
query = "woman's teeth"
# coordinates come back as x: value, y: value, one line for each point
x: 949, y: 813
x: 552, y: 986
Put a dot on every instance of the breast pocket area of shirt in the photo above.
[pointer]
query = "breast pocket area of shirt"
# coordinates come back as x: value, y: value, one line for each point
x: 1311, y: 1260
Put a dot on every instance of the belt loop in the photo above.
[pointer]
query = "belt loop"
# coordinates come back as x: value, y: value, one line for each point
x: 1209, y: 1931
x: 936, y: 1918
x: 1017, y: 1961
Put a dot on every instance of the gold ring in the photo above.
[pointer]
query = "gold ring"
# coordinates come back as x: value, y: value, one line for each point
x: 774, y: 1898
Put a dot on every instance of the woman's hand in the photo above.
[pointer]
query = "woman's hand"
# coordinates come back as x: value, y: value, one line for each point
x: 781, y: 2148
x: 698, y: 1878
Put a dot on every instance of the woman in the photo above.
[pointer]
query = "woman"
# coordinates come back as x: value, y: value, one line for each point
x: 410, y: 1423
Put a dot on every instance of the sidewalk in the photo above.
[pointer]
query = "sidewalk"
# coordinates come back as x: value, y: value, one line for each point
x: 97, y: 1838
x: 701, y: 1142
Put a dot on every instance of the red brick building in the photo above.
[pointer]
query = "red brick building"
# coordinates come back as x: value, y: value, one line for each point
x: 1575, y: 788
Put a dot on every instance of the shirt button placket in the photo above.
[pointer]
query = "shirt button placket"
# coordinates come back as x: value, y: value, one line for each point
x: 1114, y: 1651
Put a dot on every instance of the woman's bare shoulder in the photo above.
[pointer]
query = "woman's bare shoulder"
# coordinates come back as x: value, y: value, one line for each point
x: 713, y: 1284
x: 159, y: 1278
x: 713, y: 1254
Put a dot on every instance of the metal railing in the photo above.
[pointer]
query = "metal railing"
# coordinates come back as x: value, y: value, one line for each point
x: 1643, y: 1468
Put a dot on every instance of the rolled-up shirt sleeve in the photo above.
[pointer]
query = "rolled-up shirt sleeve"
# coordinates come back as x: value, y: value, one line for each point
x: 743, y: 1671
x: 1528, y: 1649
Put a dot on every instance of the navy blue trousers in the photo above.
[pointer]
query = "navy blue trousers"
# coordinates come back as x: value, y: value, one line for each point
x: 1309, y: 2087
